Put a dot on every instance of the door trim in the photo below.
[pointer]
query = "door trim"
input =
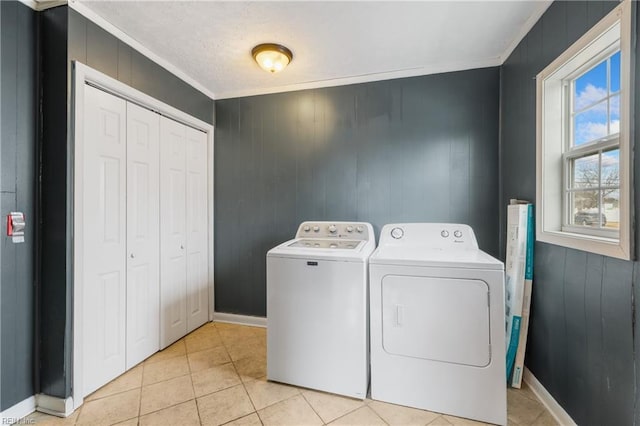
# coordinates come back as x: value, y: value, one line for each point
x: 83, y: 75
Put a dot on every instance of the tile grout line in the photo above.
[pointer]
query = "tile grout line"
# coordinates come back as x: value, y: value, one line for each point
x: 245, y: 339
x: 195, y: 398
x: 314, y: 410
x: 375, y: 412
x: 241, y: 382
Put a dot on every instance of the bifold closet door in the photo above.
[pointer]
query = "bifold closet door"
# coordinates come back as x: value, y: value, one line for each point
x: 173, y: 238
x: 197, y: 232
x: 143, y: 234
x: 104, y: 238
x: 184, y: 300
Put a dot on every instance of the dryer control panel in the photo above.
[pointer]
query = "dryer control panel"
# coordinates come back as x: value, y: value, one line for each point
x: 428, y: 235
x: 360, y: 231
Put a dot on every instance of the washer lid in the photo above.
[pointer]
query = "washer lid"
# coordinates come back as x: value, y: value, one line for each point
x: 352, y: 251
x: 434, y: 257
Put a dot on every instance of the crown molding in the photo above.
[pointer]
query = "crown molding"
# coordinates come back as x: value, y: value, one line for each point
x: 145, y: 51
x: 543, y: 5
x: 365, y: 78
x: 76, y: 5
x: 40, y: 5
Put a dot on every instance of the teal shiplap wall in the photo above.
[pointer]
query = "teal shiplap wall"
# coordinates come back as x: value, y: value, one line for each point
x: 18, y: 65
x: 581, y: 335
x: 421, y: 149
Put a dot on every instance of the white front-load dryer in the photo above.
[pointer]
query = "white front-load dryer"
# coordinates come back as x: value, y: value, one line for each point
x: 437, y: 322
x: 317, y: 308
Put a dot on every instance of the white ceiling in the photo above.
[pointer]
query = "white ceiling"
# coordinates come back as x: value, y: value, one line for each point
x: 333, y: 42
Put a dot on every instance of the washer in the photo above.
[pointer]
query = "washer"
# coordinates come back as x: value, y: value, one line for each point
x: 317, y: 308
x: 437, y: 322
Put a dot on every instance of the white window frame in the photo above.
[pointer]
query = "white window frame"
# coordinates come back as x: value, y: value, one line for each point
x: 552, y: 128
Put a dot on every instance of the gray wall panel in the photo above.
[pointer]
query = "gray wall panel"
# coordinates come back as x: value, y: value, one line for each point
x: 9, y: 96
x: 417, y: 149
x: 55, y: 315
x: 124, y: 63
x: 617, y: 332
x: 17, y: 183
x: 102, y: 50
x: 581, y: 336
x: 594, y: 355
x: 577, y: 373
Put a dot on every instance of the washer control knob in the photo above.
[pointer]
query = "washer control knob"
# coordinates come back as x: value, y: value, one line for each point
x: 444, y: 233
x: 360, y: 229
x: 316, y: 229
x: 349, y: 228
x: 457, y: 234
x: 332, y: 229
x: 306, y: 228
x: 397, y: 233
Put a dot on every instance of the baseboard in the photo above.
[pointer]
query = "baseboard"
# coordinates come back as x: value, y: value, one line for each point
x: 240, y: 319
x: 61, y: 407
x: 22, y: 409
x: 556, y: 410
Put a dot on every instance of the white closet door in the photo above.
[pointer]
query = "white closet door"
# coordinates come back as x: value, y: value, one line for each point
x: 104, y: 238
x: 143, y: 234
x: 173, y: 306
x: 197, y: 233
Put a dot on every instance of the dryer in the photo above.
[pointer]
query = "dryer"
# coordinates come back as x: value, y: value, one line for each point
x: 437, y: 322
x: 317, y: 308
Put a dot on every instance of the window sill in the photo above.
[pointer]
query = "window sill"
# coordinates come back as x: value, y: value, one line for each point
x: 611, y: 247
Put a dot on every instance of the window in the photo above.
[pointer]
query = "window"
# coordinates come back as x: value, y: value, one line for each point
x: 583, y: 124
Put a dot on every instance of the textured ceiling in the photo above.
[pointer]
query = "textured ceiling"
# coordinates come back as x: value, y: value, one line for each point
x: 332, y: 42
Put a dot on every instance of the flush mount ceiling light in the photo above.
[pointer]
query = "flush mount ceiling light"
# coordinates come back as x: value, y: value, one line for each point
x: 272, y: 57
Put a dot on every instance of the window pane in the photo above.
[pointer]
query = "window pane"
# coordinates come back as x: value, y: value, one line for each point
x: 585, y: 208
x: 585, y: 172
x: 614, y: 118
x: 590, y: 125
x: 611, y: 209
x: 611, y: 168
x: 591, y: 87
x: 615, y: 73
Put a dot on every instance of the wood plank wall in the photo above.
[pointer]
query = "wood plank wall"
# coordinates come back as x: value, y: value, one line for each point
x: 581, y: 337
x: 17, y: 189
x: 421, y: 149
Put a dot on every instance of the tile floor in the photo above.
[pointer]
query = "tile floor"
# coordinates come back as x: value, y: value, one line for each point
x: 216, y: 375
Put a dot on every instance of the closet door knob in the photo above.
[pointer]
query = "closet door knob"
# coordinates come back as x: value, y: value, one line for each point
x: 132, y: 255
x: 181, y: 247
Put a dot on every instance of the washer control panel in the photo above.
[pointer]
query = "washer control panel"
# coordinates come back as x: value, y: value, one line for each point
x: 431, y: 235
x: 343, y: 230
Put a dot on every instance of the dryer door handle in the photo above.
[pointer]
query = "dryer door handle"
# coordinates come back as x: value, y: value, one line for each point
x: 399, y: 315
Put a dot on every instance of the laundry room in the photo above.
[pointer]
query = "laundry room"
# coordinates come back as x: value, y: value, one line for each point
x: 159, y: 177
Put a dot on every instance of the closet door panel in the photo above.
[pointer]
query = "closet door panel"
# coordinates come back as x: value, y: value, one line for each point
x: 104, y: 239
x: 197, y: 231
x: 143, y: 234
x: 173, y: 276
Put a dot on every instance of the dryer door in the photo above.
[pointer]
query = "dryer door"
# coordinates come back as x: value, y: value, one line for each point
x: 439, y: 319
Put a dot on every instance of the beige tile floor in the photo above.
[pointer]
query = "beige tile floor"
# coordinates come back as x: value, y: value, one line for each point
x: 216, y: 375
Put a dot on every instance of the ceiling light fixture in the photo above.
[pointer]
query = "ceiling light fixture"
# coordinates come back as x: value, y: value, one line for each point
x: 272, y: 57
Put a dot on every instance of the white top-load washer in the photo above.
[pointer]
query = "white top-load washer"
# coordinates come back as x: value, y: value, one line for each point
x: 437, y: 322
x: 317, y: 308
